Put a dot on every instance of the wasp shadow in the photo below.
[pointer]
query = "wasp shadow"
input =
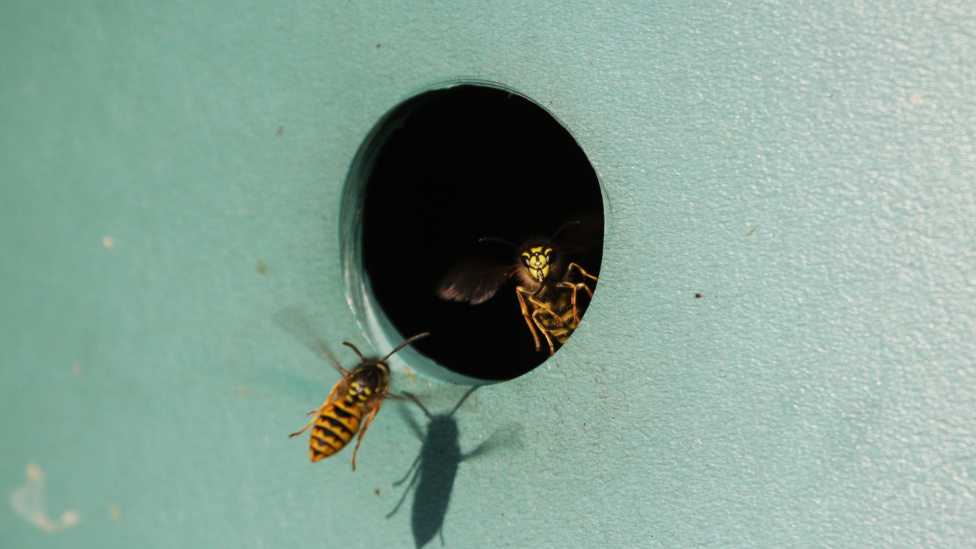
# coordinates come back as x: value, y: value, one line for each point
x: 433, y: 473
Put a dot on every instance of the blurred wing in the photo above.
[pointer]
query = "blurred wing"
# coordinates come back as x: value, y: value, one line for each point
x: 583, y: 236
x: 474, y: 280
x: 296, y: 322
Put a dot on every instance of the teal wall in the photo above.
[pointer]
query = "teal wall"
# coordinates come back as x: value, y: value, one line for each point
x: 808, y: 167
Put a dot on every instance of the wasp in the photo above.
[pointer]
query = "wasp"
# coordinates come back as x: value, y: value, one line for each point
x: 359, y: 393
x: 549, y: 286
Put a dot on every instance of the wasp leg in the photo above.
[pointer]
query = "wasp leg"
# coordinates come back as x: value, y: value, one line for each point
x: 306, y: 427
x: 582, y: 272
x: 333, y: 394
x: 328, y: 400
x: 525, y: 313
x: 343, y: 383
x: 574, y: 288
x: 545, y: 332
x: 342, y: 386
x: 540, y: 306
x: 372, y: 414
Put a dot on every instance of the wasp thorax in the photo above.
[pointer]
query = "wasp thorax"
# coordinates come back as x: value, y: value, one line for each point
x: 538, y: 260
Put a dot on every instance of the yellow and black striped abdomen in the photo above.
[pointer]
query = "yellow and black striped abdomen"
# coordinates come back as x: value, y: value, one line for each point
x: 562, y: 333
x: 334, y: 428
x: 562, y: 306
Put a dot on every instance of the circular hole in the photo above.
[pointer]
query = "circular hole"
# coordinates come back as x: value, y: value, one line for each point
x: 438, y: 173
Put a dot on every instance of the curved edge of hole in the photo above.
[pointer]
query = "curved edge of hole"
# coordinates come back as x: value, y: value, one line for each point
x: 359, y: 295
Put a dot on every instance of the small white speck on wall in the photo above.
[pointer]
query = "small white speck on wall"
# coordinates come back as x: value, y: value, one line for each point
x: 108, y: 242
x: 28, y: 502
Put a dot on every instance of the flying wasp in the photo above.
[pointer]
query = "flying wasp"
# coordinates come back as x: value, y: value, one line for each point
x: 550, y: 287
x: 359, y: 393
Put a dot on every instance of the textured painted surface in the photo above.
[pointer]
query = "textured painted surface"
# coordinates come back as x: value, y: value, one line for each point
x: 819, y: 393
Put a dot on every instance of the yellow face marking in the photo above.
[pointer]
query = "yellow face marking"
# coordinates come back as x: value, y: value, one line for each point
x: 367, y: 391
x: 537, y: 261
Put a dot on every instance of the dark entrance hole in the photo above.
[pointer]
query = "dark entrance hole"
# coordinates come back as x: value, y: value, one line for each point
x: 461, y: 164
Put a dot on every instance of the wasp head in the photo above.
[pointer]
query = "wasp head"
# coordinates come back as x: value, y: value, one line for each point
x: 368, y: 380
x: 538, y: 260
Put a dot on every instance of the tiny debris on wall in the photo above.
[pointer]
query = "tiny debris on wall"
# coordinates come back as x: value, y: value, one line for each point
x: 28, y: 502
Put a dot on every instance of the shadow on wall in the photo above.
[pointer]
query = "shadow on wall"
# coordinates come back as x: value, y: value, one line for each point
x: 432, y: 474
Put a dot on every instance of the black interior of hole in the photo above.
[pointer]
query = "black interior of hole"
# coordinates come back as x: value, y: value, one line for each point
x: 469, y: 162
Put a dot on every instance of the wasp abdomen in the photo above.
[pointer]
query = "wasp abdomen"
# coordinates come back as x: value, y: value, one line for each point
x: 333, y: 429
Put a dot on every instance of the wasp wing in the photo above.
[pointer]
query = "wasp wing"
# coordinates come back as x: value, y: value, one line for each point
x: 474, y: 280
x: 296, y: 322
x: 583, y: 235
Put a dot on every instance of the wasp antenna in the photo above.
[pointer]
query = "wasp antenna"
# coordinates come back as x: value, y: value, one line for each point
x: 353, y: 347
x: 564, y: 227
x: 404, y: 344
x: 498, y: 240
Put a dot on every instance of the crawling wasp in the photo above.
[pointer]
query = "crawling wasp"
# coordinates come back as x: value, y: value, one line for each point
x: 549, y: 289
x: 338, y: 419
